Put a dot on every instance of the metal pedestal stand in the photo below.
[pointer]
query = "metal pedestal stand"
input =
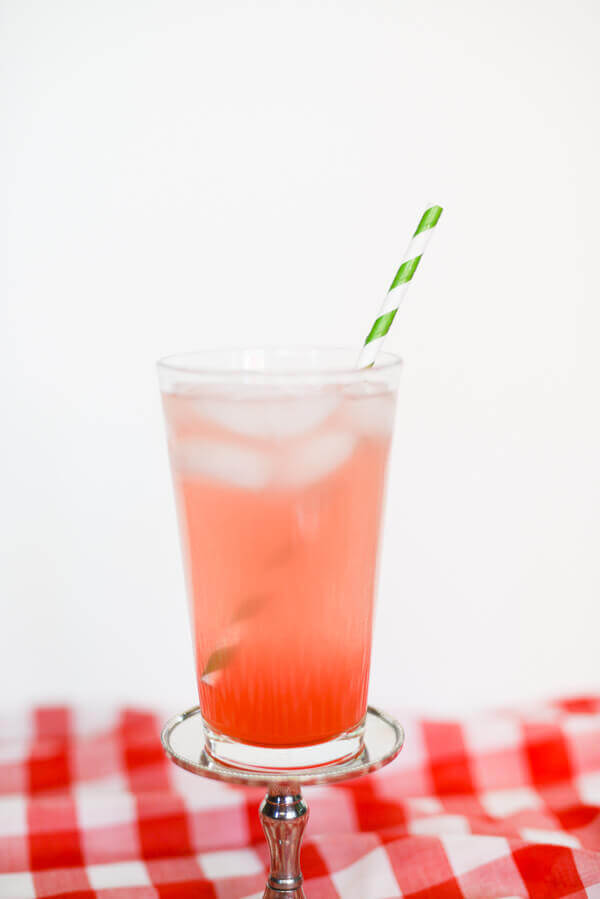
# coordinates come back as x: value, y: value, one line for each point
x: 283, y: 812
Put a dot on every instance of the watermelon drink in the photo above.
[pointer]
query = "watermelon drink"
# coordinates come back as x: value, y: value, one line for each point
x: 279, y: 462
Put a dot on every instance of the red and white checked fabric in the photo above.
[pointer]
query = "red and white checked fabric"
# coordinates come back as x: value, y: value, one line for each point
x: 498, y: 805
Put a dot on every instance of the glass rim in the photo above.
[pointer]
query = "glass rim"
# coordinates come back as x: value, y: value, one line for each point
x: 386, y: 362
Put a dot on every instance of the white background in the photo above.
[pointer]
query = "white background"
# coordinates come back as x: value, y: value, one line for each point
x: 197, y: 172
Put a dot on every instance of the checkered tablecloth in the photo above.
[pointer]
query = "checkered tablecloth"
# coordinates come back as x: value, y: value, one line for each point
x: 497, y: 805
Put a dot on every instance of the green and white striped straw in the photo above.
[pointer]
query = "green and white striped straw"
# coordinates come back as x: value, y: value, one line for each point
x: 399, y: 286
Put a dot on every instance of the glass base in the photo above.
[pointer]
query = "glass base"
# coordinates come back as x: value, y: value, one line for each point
x: 245, y: 756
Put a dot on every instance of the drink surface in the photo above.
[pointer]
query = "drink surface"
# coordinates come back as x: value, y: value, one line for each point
x: 279, y: 498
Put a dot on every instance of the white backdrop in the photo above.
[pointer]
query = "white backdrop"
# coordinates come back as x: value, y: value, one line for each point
x: 184, y: 173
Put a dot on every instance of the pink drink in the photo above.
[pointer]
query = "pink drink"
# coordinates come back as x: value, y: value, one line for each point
x: 280, y: 493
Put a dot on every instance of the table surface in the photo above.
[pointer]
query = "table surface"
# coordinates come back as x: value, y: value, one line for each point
x: 501, y: 804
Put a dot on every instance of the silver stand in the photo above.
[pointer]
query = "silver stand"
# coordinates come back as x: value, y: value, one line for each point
x: 283, y: 812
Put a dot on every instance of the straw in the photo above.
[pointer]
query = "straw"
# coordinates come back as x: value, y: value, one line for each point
x: 399, y: 286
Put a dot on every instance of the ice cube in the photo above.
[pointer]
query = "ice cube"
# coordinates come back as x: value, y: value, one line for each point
x: 270, y: 416
x: 369, y: 409
x: 315, y: 458
x: 237, y: 465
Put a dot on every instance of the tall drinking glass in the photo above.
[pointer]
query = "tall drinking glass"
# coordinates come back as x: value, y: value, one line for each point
x: 279, y: 459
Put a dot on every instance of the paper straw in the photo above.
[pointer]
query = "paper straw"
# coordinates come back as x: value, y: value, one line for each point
x: 399, y: 286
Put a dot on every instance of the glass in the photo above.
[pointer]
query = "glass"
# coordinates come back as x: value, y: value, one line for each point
x: 279, y: 459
